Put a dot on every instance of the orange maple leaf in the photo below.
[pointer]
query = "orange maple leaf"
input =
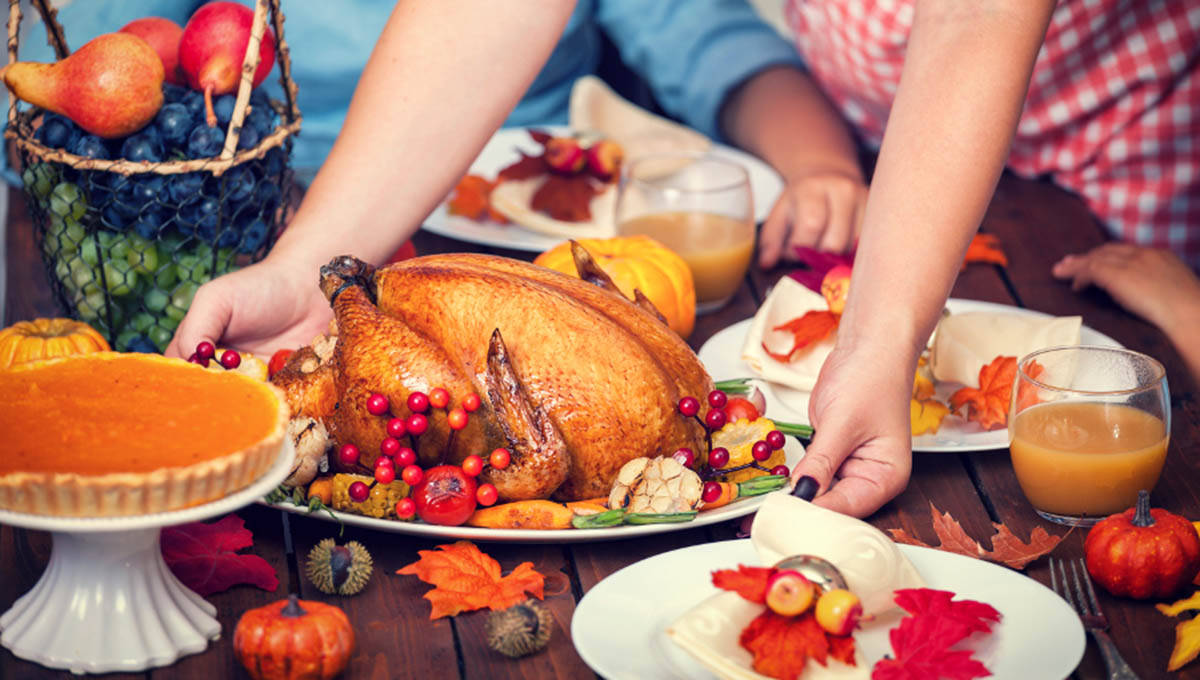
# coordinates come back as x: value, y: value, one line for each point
x: 985, y: 248
x: 472, y: 199
x: 813, y: 327
x: 749, y: 582
x: 782, y: 645
x: 467, y: 579
x: 566, y: 198
x: 1007, y: 549
x: 1027, y: 394
x: 988, y: 403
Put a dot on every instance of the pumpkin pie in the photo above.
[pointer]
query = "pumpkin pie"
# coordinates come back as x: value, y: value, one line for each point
x: 109, y: 434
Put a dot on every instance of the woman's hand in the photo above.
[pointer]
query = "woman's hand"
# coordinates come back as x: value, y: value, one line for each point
x: 821, y: 207
x: 861, y: 452
x: 262, y: 308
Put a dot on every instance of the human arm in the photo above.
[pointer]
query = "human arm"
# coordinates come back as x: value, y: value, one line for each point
x: 1151, y: 283
x: 781, y: 116
x: 964, y: 81
x: 439, y: 81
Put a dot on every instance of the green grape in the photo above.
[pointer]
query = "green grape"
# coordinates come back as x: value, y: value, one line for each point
x: 68, y: 231
x: 192, y: 268
x: 181, y: 299
x: 89, y: 305
x: 168, y: 323
x: 39, y: 179
x: 119, y: 247
x: 90, y: 251
x: 143, y: 255
x: 84, y: 277
x: 119, y: 277
x: 66, y: 200
x: 161, y: 337
x: 141, y: 322
x: 156, y: 299
x: 122, y: 343
x: 225, y: 261
x: 166, y: 276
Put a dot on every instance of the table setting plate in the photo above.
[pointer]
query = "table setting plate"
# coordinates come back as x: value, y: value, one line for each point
x: 502, y: 150
x: 721, y: 356
x: 620, y: 626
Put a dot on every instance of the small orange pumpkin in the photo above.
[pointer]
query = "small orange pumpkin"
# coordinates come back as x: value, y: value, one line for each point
x: 27, y: 341
x: 637, y: 262
x: 294, y: 639
x: 1143, y: 553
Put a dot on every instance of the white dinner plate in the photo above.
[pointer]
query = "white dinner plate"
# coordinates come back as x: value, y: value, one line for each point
x: 794, y: 450
x: 722, y: 353
x: 620, y: 626
x: 501, y: 151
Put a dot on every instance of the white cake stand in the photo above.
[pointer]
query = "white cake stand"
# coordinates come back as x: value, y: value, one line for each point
x: 107, y: 601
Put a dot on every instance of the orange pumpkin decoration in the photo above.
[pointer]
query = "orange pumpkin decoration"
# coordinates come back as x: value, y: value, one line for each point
x: 637, y: 262
x: 27, y: 341
x: 294, y: 639
x: 1143, y: 553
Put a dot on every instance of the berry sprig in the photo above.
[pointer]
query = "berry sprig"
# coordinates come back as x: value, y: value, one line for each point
x: 395, y: 456
x: 718, y: 457
x: 206, y: 351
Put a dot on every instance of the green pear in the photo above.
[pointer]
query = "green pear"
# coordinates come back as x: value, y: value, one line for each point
x: 110, y: 87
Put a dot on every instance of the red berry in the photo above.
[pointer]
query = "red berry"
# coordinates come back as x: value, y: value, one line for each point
x: 418, y: 402
x: 231, y: 359
x: 719, y: 457
x: 456, y: 419
x: 711, y: 492
x: 781, y: 470
x: 760, y: 451
x: 385, y: 474
x: 412, y: 474
x: 384, y: 461
x: 472, y: 465
x: 196, y: 359
x: 417, y: 424
x: 395, y: 428
x: 717, y: 399
x: 348, y: 454
x: 377, y: 404
x: 445, y: 496
x: 689, y: 406
x: 715, y: 419
x: 470, y: 402
x: 389, y: 446
x: 406, y: 508
x: 776, y: 440
x: 486, y: 494
x: 500, y: 458
x: 405, y: 457
x: 359, y: 492
x: 438, y: 397
x: 684, y: 456
x: 206, y: 350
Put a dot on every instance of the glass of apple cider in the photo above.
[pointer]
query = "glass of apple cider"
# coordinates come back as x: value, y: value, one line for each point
x: 1088, y: 428
x: 699, y: 206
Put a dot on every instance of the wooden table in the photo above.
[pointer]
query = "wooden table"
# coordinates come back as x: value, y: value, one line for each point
x: 1037, y: 224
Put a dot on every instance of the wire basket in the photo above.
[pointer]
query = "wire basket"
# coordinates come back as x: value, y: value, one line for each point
x: 129, y: 229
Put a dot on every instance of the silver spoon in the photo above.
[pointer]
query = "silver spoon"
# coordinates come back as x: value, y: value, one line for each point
x: 817, y: 570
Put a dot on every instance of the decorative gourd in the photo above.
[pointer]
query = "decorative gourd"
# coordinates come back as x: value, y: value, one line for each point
x: 637, y: 262
x: 27, y: 341
x: 1143, y: 553
x: 294, y: 639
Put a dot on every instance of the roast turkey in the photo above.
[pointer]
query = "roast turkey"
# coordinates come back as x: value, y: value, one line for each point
x: 574, y: 379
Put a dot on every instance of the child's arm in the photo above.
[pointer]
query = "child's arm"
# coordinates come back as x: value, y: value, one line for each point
x: 1153, y: 284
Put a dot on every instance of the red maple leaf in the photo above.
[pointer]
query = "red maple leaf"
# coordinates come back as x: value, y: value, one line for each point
x: 813, y: 327
x: 204, y: 557
x: 749, y: 582
x: 566, y: 198
x: 921, y: 642
x: 976, y: 617
x: 527, y: 167
x: 988, y: 403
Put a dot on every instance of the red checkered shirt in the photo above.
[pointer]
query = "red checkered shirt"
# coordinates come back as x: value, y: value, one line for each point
x: 1113, y: 111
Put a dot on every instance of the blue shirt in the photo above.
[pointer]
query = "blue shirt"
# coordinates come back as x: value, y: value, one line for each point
x: 692, y: 53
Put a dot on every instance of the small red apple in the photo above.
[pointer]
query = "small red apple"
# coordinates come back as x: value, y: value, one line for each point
x: 604, y: 159
x: 163, y: 35
x: 213, y: 46
x: 564, y: 155
x: 836, y: 288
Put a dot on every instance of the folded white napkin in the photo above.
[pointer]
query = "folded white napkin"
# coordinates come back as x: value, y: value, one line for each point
x: 965, y: 343
x: 873, y: 566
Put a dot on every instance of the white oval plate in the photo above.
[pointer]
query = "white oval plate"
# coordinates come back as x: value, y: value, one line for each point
x: 794, y: 450
x: 721, y: 355
x: 620, y: 626
x: 501, y: 151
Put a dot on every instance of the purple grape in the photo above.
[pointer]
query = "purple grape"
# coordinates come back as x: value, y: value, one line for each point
x: 205, y: 142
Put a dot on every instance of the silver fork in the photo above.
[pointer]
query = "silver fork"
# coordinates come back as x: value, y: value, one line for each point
x: 1088, y: 609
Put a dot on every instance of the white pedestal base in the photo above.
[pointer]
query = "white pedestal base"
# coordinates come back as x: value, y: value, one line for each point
x: 107, y: 601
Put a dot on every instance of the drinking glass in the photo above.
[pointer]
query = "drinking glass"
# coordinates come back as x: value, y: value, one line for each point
x: 1088, y: 427
x: 699, y: 206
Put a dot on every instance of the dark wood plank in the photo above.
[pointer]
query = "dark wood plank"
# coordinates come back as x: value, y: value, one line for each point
x: 27, y: 290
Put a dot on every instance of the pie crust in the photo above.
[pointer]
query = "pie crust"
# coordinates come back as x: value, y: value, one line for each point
x: 165, y: 484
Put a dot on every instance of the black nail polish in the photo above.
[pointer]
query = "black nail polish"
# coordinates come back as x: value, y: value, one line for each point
x: 806, y: 488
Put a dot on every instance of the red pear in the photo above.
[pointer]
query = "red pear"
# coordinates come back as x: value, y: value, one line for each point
x: 213, y: 47
x: 163, y: 35
x: 111, y: 87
